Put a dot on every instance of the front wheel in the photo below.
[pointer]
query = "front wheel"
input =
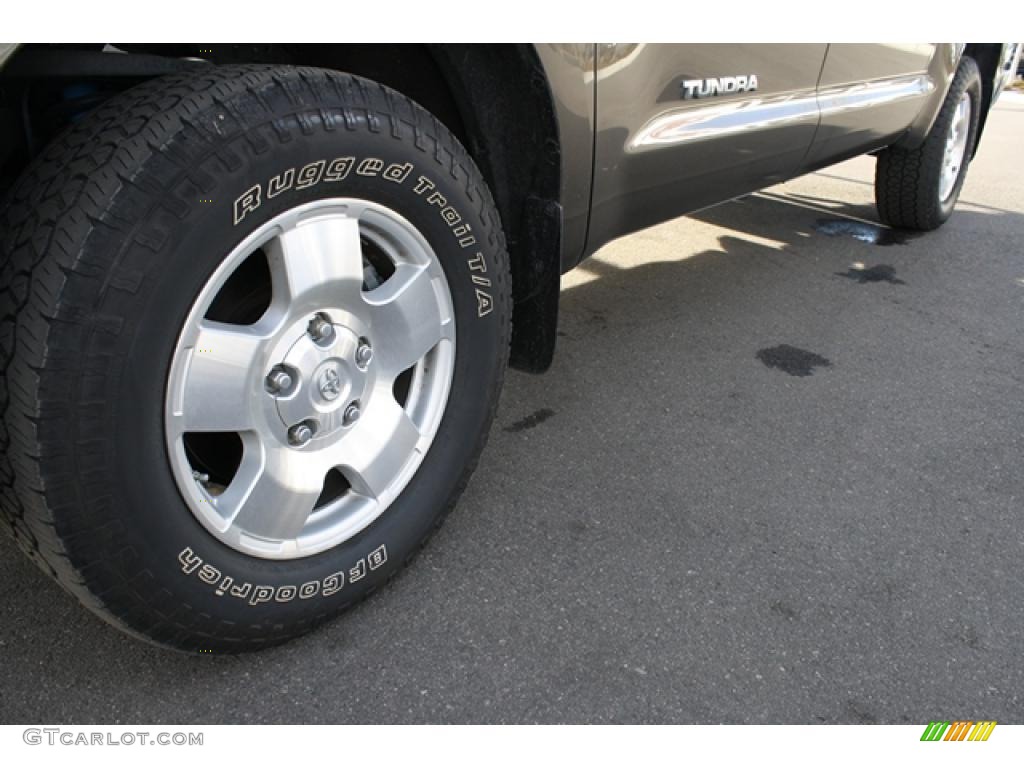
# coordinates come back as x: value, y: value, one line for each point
x: 261, y: 329
x: 918, y: 188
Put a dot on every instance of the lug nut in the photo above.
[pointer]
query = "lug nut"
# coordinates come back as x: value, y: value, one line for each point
x: 351, y: 415
x: 279, y: 381
x: 300, y: 434
x: 364, y: 354
x: 320, y: 328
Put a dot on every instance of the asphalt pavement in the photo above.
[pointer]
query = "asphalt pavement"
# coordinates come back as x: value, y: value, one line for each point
x: 775, y: 475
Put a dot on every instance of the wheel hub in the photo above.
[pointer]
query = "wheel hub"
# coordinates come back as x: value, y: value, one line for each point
x: 328, y: 379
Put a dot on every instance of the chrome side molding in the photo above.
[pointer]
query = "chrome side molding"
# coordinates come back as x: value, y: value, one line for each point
x: 686, y: 124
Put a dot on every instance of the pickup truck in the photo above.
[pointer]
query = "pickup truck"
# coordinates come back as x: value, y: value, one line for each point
x: 257, y: 301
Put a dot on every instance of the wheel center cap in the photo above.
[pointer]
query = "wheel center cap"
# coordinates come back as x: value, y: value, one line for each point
x: 329, y: 382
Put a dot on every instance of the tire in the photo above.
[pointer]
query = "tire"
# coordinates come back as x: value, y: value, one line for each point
x: 111, y: 240
x: 909, y: 189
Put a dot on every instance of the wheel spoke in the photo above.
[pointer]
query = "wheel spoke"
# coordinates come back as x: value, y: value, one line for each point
x: 317, y: 263
x: 406, y: 319
x: 379, y: 446
x: 216, y: 391
x: 273, y: 492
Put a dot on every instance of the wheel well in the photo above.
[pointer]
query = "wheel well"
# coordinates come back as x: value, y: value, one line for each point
x: 986, y: 56
x: 494, y: 98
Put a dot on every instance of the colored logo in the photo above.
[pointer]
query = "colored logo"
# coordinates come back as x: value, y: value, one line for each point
x: 958, y: 730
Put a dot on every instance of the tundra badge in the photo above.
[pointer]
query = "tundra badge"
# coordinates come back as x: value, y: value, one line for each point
x: 714, y: 86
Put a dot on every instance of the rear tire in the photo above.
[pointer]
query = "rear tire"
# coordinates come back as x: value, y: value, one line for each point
x: 107, y: 242
x: 910, y: 190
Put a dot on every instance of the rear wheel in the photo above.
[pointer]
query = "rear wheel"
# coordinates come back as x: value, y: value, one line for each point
x: 918, y: 188
x: 258, y: 322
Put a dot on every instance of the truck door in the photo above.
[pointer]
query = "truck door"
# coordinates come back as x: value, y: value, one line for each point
x: 679, y: 127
